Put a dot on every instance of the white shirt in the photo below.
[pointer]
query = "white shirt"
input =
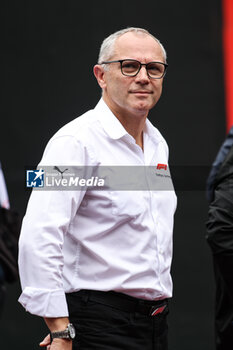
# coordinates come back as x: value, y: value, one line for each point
x: 99, y: 240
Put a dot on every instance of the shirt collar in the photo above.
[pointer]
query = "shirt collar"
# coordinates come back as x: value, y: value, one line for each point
x: 115, y: 129
x: 109, y: 122
x: 151, y: 131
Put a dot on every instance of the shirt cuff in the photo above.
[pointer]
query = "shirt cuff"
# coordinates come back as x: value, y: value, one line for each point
x: 44, y: 302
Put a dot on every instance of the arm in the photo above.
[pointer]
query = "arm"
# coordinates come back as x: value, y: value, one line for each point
x: 45, y: 225
x: 44, y: 228
x: 220, y: 233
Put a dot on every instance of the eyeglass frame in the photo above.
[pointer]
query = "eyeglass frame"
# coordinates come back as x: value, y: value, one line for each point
x: 141, y: 64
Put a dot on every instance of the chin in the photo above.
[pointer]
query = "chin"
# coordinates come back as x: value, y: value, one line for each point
x: 142, y: 107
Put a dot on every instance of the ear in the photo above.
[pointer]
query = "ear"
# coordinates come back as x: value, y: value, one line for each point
x: 99, y: 73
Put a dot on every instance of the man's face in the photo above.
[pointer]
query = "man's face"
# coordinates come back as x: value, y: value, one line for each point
x: 132, y: 95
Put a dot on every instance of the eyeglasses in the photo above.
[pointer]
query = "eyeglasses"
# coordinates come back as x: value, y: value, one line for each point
x: 130, y: 68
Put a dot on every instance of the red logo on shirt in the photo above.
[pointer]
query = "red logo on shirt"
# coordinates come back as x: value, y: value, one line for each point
x: 162, y: 166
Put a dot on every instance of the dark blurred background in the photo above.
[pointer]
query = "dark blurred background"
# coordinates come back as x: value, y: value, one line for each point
x: 48, y: 50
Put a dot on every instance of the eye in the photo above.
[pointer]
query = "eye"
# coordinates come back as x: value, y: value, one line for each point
x: 130, y: 66
x: 155, y: 67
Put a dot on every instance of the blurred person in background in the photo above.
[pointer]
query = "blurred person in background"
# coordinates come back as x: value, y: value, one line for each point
x: 4, y: 203
x: 9, y: 232
x: 220, y: 238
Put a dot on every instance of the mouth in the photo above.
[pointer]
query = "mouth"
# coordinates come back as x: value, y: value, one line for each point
x: 141, y: 92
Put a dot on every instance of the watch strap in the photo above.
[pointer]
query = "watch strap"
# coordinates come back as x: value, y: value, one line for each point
x: 68, y: 333
x: 61, y: 334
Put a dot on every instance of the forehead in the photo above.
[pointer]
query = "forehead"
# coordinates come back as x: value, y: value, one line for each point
x: 138, y: 46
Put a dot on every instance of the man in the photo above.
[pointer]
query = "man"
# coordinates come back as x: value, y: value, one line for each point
x: 220, y: 238
x: 100, y: 260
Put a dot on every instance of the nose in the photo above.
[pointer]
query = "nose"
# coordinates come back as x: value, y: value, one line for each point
x: 142, y: 76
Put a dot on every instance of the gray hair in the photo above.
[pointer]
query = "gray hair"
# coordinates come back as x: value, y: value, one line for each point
x: 108, y: 45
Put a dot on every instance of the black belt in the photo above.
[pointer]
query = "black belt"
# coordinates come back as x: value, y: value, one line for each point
x: 124, y: 302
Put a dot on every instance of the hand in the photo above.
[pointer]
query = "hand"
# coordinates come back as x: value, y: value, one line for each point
x: 57, y: 344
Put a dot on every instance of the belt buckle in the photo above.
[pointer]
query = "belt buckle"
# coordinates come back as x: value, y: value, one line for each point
x: 157, y: 310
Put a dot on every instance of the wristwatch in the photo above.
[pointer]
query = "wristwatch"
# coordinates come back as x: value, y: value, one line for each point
x: 68, y: 333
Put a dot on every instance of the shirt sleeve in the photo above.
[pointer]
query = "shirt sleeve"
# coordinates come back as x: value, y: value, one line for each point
x: 47, y: 220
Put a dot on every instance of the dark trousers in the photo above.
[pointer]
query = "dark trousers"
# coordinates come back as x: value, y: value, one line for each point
x: 101, y: 326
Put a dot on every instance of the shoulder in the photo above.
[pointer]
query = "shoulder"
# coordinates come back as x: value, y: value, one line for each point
x: 72, y: 142
x: 79, y: 126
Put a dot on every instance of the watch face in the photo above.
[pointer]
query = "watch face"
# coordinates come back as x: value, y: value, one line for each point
x: 71, y: 330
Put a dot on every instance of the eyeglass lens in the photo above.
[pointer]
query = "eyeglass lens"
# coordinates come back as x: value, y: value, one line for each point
x: 154, y: 69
